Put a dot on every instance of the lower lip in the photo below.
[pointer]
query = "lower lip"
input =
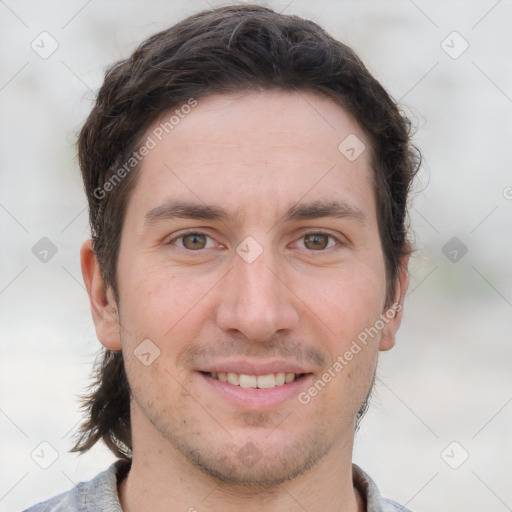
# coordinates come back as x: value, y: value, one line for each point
x: 255, y: 398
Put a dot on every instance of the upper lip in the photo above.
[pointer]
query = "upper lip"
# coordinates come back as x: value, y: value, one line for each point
x: 254, y: 367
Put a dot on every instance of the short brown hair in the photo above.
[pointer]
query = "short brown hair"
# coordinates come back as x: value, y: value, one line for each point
x: 229, y: 49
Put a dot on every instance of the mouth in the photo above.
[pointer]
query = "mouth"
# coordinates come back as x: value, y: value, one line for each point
x: 254, y: 385
x: 247, y: 381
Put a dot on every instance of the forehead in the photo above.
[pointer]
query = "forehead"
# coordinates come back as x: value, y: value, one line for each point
x: 249, y: 151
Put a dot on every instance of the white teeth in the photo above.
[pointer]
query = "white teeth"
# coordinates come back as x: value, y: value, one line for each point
x: 234, y: 378
x: 248, y: 381
x: 266, y: 381
x: 255, y: 381
x: 281, y: 378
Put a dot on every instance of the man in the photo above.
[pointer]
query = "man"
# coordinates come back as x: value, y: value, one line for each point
x: 247, y: 181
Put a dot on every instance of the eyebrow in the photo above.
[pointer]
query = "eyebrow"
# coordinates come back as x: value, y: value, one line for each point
x: 186, y: 210
x: 318, y: 209
x: 299, y: 211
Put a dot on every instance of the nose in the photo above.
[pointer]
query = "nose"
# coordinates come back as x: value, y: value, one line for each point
x: 256, y: 300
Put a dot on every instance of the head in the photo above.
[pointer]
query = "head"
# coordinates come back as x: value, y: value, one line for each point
x: 247, y: 180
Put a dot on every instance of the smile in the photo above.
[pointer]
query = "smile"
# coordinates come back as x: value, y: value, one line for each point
x: 268, y: 381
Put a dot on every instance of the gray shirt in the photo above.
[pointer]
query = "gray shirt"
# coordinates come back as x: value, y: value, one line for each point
x: 100, y: 494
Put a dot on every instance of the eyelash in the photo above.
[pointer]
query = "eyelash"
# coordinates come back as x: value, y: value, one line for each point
x: 182, y: 235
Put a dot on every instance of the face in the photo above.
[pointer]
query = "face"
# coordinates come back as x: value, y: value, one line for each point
x: 250, y: 267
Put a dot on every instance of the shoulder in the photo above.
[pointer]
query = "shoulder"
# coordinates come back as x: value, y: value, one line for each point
x: 66, y: 501
x: 392, y: 506
x: 96, y: 495
x: 369, y: 491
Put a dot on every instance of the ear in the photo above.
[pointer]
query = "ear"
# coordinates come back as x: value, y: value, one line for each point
x: 103, y: 304
x: 392, y: 315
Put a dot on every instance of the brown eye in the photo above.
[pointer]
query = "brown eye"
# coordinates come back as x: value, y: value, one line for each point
x: 316, y: 241
x: 194, y: 241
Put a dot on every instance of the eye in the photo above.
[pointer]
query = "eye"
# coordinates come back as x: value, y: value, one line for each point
x: 318, y: 241
x: 193, y: 241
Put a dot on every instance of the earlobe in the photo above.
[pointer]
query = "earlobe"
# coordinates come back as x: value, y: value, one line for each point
x: 394, y: 312
x: 101, y: 298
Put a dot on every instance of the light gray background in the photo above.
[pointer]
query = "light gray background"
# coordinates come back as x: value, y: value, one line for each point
x: 448, y: 379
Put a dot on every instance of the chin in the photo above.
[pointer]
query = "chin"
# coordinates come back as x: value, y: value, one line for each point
x: 256, y: 464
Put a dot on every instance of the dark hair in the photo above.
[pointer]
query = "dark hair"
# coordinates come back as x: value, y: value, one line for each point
x: 229, y: 49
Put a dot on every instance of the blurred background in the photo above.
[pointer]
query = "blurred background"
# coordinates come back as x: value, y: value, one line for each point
x: 438, y: 434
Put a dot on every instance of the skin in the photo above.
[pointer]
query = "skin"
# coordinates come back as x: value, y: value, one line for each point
x: 301, y: 302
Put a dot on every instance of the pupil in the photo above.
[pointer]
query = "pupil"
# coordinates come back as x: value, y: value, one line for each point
x: 317, y: 241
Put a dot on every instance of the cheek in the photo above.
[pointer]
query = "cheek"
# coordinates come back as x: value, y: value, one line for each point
x: 164, y: 305
x: 347, y: 299
x: 351, y: 307
x: 160, y: 306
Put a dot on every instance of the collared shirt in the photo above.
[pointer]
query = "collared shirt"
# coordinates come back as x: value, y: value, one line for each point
x: 100, y: 494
